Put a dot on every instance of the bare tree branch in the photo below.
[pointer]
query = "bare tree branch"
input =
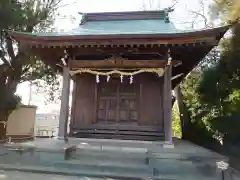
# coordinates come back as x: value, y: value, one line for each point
x: 200, y: 16
x: 150, y: 5
x: 175, y: 2
x: 197, y: 13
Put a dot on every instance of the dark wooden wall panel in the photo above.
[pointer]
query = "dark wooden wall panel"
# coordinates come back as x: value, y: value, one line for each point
x: 151, y: 112
x: 84, y: 112
x: 149, y: 100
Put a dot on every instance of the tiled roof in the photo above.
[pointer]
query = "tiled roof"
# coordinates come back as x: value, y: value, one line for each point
x: 123, y: 24
x: 125, y: 27
x: 116, y: 23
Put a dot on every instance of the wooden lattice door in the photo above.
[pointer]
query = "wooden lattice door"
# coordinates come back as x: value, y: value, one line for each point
x: 117, y: 103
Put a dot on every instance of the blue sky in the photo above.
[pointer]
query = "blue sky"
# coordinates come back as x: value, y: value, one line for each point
x: 69, y: 19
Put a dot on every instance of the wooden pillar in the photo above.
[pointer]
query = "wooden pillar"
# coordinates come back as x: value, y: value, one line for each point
x: 73, y: 106
x: 167, y: 104
x: 64, y: 110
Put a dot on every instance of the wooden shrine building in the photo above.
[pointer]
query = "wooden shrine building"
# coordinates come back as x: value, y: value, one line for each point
x: 124, y: 66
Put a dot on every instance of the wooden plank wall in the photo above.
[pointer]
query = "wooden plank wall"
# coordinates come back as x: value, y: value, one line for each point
x: 151, y: 111
x: 150, y: 105
x: 84, y: 112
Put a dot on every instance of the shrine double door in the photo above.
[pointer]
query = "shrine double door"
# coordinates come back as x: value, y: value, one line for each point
x: 117, y: 103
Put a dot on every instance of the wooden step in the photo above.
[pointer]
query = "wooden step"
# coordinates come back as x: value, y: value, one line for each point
x: 120, y: 127
x: 119, y: 132
x: 122, y: 132
x: 119, y: 136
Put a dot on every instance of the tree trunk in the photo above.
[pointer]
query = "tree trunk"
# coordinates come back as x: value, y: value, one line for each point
x: 193, y: 131
x: 3, y: 118
x: 184, y: 116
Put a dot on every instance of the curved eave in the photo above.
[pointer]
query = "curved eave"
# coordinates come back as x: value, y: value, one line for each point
x: 166, y: 38
x: 190, y: 57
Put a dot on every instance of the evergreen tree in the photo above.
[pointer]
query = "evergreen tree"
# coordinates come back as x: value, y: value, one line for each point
x: 220, y: 86
x: 16, y: 64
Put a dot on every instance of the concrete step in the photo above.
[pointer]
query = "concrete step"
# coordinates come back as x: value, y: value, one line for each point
x: 125, y: 159
x: 114, y: 159
x: 104, y: 163
x: 89, y: 162
x: 165, y: 167
x: 106, y: 166
x: 73, y: 172
x: 90, y: 166
x: 49, y: 157
x: 110, y: 155
x: 17, y: 175
x: 91, y: 174
x: 158, y: 166
x: 111, y: 159
x: 182, y: 167
x: 109, y: 148
x: 35, y: 158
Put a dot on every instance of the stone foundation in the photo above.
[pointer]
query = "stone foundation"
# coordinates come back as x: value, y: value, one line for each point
x: 113, y: 159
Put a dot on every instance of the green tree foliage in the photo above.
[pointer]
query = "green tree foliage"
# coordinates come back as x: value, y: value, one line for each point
x: 219, y: 87
x: 197, y: 129
x: 225, y: 10
x: 16, y: 64
x: 212, y: 91
x: 176, y: 127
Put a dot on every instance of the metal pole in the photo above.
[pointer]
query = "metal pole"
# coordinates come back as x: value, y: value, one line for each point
x: 30, y: 93
x: 223, y: 166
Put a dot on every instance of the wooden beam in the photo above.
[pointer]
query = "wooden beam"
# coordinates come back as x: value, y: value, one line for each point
x: 167, y: 104
x: 64, y: 110
x: 148, y: 49
x: 177, y: 76
x: 73, y: 108
x: 118, y: 63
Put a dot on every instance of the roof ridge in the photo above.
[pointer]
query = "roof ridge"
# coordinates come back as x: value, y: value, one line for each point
x: 150, y: 11
x: 126, y: 15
